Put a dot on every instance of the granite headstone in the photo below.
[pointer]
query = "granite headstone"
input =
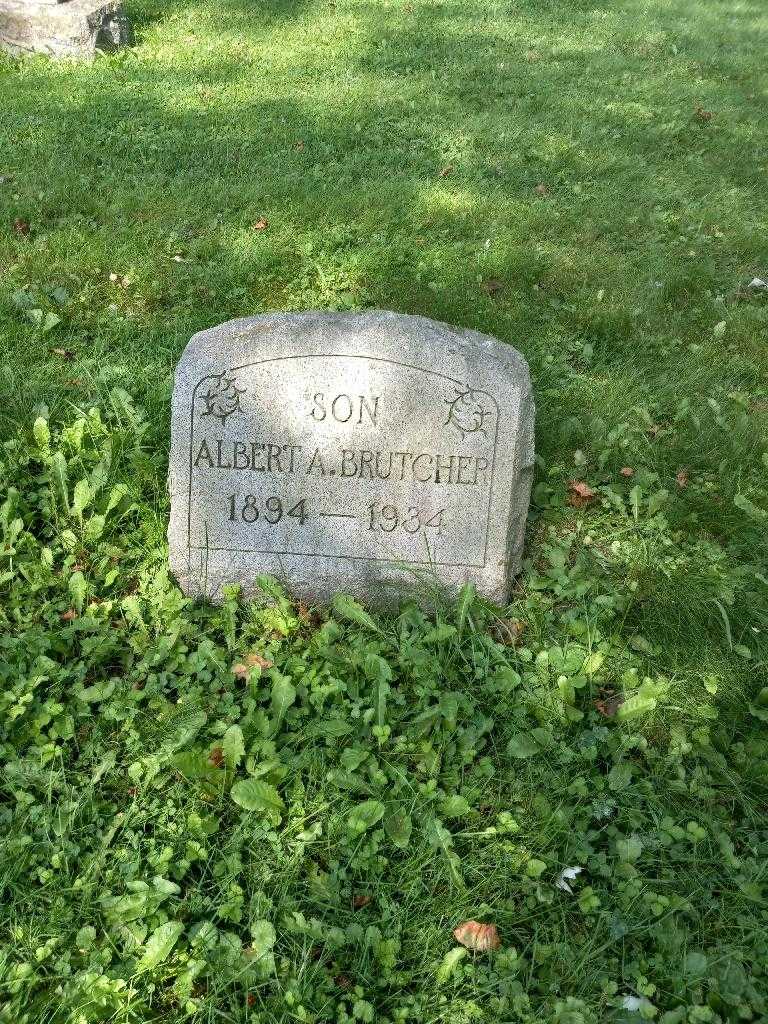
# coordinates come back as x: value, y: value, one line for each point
x: 63, y: 28
x: 349, y: 452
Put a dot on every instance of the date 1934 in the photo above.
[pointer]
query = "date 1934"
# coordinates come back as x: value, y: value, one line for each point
x: 379, y: 517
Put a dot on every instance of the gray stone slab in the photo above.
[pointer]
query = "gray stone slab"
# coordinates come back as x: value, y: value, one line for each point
x: 75, y: 28
x: 370, y: 453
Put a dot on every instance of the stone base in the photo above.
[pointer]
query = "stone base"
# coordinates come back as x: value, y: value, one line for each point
x: 75, y: 28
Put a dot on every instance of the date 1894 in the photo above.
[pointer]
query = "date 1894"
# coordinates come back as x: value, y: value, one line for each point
x: 379, y: 517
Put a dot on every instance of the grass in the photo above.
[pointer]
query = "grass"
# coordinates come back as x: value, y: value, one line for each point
x: 190, y: 837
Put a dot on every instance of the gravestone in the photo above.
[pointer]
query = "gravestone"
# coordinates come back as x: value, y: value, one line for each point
x: 63, y: 28
x: 349, y: 452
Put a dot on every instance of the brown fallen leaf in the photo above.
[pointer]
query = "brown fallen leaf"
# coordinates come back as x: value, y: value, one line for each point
x: 65, y: 353
x: 299, y: 146
x: 74, y: 382
x: 541, y: 189
x: 343, y: 981
x: 681, y: 477
x: 508, y: 631
x: 609, y: 705
x: 261, y: 224
x: 476, y: 936
x: 580, y: 494
x: 703, y: 115
x: 68, y: 615
x: 216, y: 757
x: 627, y: 471
x: 492, y: 286
x: 446, y: 171
x: 21, y: 226
x: 360, y: 901
x: 242, y: 668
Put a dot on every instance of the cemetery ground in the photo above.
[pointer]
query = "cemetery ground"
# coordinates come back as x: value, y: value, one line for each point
x: 266, y: 812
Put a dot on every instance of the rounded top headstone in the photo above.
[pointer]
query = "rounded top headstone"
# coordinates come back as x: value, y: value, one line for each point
x: 352, y: 452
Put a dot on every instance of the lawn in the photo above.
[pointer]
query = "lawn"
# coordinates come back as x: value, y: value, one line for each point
x: 264, y: 812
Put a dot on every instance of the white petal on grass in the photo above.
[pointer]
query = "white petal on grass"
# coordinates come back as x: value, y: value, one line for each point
x: 567, y: 875
x: 634, y: 1003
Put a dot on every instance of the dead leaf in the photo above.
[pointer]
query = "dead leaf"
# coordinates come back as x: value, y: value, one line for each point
x: 608, y: 706
x: 580, y: 494
x: 65, y: 353
x: 476, y: 936
x: 541, y: 189
x: 68, y: 615
x: 21, y: 226
x: 508, y: 631
x: 74, y: 382
x: 492, y: 286
x: 627, y: 471
x: 261, y: 224
x: 360, y: 901
x: 681, y: 477
x: 446, y: 170
x: 299, y: 146
x: 343, y: 981
x: 242, y: 668
x: 703, y: 115
x: 216, y: 757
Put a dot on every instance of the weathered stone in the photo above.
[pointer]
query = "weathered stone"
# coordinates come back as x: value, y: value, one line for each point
x: 68, y: 28
x: 370, y: 453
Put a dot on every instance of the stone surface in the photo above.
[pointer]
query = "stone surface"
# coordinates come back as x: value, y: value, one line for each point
x: 369, y: 453
x: 70, y: 28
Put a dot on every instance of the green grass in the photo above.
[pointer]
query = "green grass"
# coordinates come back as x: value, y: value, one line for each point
x: 583, y: 180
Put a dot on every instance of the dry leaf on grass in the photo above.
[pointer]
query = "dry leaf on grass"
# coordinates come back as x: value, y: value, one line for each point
x: 627, y: 471
x: 216, y: 757
x: 446, y: 170
x: 478, y: 937
x: 508, y: 631
x: 541, y: 189
x: 360, y: 901
x: 68, y: 615
x: 21, y: 226
x: 580, y: 493
x: 609, y: 705
x: 681, y: 477
x: 242, y: 668
x: 65, y: 353
x: 261, y: 224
